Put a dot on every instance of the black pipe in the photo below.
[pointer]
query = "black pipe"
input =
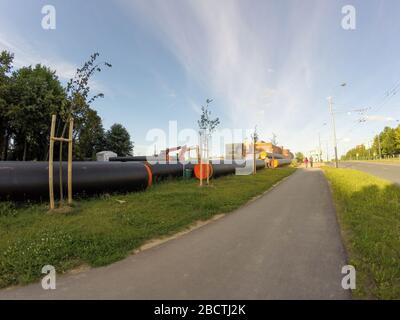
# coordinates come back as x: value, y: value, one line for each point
x: 129, y: 159
x: 160, y: 169
x: 166, y: 170
x: 30, y: 180
x: 275, y: 155
x: 219, y: 168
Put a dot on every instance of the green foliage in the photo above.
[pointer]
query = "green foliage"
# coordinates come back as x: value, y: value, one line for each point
x: 118, y: 140
x: 91, y: 137
x: 8, y: 209
x: 386, y: 143
x: 369, y: 213
x: 78, y: 89
x: 103, y: 230
x: 299, y: 157
x: 28, y: 98
x: 35, y: 93
x: 358, y: 153
x: 205, y: 122
x: 6, y: 60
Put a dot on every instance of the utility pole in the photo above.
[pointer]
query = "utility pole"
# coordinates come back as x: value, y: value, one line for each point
x: 334, y: 131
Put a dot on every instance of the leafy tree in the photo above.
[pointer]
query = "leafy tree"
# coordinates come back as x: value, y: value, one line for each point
x: 299, y: 157
x: 388, y: 141
x: 6, y: 60
x: 91, y: 137
x: 397, y: 139
x: 28, y: 98
x: 35, y: 93
x: 118, y: 140
x: 359, y: 152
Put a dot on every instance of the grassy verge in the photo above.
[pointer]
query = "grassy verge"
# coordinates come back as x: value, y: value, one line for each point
x: 369, y: 214
x: 102, y: 230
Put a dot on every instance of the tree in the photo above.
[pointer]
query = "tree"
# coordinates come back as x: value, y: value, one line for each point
x: 388, y: 141
x: 206, y: 123
x: 91, y: 137
x: 6, y: 60
x: 28, y: 98
x: 255, y: 136
x: 118, y: 140
x: 299, y: 157
x: 78, y: 91
x: 35, y: 93
x: 78, y: 101
x: 397, y: 139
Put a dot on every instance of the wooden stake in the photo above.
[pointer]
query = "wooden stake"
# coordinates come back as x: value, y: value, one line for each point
x: 51, y: 153
x: 71, y: 128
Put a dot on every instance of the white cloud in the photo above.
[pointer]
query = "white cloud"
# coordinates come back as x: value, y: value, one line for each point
x: 195, y: 106
x: 379, y: 118
x: 25, y: 55
x: 220, y: 47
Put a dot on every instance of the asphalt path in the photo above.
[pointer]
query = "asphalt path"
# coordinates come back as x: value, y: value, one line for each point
x: 284, y: 245
x: 389, y: 172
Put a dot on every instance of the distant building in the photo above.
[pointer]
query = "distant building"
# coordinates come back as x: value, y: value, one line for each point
x: 105, y: 155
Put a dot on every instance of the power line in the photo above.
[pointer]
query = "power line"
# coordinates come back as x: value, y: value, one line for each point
x: 388, y: 95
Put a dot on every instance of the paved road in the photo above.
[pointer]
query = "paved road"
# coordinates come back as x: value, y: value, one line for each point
x: 284, y: 245
x: 389, y: 172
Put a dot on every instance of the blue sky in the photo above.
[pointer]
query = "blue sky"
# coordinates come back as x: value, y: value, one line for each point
x: 266, y: 63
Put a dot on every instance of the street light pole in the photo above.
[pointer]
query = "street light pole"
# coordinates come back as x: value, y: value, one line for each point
x: 334, y: 131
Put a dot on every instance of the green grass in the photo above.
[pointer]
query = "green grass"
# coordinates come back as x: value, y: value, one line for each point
x: 369, y: 214
x: 102, y: 230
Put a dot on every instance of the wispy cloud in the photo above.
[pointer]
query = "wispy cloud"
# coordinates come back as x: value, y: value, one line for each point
x: 26, y: 55
x: 220, y: 47
x: 379, y: 118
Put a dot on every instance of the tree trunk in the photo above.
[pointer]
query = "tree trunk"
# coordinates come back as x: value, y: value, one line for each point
x: 2, y: 141
x: 6, y: 141
x: 24, y: 154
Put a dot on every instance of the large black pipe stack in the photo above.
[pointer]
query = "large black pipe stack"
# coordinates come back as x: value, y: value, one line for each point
x: 220, y: 168
x: 129, y: 159
x: 160, y: 170
x: 30, y: 180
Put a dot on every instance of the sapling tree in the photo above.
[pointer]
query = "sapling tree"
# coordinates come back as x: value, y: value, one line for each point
x: 79, y: 99
x: 207, y: 125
